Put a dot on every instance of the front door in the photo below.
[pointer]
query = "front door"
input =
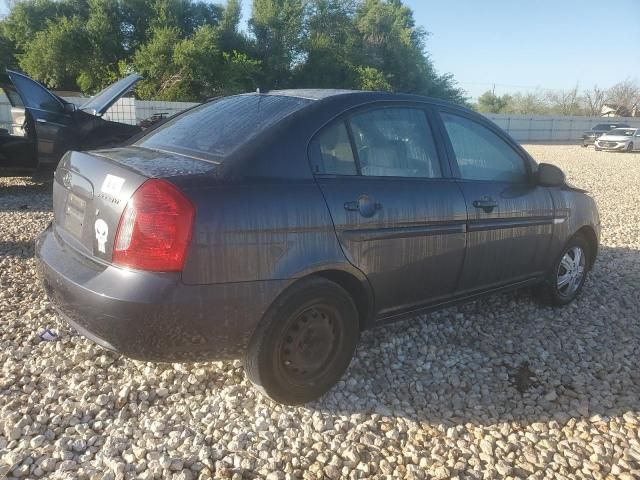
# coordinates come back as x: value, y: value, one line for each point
x: 398, y: 215
x: 46, y: 115
x: 510, y: 217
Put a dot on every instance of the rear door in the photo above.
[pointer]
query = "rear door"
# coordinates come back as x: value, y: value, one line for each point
x: 399, y: 216
x: 510, y: 217
x: 53, y: 126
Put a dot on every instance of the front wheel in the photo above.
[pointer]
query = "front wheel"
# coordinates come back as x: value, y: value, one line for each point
x: 566, y: 279
x: 630, y: 147
x: 304, y: 343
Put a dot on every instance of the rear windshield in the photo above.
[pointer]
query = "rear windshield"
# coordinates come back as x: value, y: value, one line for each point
x: 216, y: 129
x: 625, y: 132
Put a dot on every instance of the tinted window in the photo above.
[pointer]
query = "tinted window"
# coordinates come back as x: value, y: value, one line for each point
x: 13, y: 96
x: 481, y: 154
x: 395, y: 142
x: 331, y: 151
x: 35, y: 95
x: 217, y: 128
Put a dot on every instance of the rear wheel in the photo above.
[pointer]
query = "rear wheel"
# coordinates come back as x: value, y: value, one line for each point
x: 304, y: 343
x: 566, y: 279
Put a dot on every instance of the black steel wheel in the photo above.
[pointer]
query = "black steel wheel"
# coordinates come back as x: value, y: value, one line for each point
x: 304, y: 343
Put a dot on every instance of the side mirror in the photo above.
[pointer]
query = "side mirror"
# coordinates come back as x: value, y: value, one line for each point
x: 550, y: 176
x: 70, y: 107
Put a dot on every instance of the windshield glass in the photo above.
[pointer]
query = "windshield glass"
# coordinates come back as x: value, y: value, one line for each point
x: 215, y: 129
x: 603, y: 127
x: 625, y: 132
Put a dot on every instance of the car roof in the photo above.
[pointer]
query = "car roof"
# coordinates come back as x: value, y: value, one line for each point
x: 365, y: 96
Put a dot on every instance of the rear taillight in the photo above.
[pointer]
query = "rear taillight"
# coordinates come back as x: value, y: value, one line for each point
x: 155, y: 228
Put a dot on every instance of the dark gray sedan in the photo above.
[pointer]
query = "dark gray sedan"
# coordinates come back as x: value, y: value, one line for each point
x: 275, y: 227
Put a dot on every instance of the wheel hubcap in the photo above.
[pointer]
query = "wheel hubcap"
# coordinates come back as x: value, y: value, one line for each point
x: 309, y: 344
x: 571, y: 271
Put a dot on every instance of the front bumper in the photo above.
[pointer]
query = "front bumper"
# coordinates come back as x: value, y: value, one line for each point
x: 613, y: 146
x: 588, y: 140
x: 151, y: 316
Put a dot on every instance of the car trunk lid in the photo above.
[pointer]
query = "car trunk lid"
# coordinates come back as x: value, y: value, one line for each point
x: 91, y: 191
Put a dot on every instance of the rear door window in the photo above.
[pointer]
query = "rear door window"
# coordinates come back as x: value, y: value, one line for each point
x: 331, y: 152
x: 395, y: 142
x: 215, y: 129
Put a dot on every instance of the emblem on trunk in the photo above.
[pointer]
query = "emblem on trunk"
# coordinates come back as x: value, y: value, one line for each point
x: 102, y: 230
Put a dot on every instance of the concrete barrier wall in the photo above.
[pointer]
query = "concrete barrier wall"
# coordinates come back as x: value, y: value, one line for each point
x: 543, y: 128
x: 524, y: 128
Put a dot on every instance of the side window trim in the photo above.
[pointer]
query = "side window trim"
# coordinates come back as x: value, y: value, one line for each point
x: 354, y: 149
x: 452, y: 156
x: 447, y: 162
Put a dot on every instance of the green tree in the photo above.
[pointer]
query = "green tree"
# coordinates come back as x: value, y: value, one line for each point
x: 190, y: 49
x: 55, y: 55
x: 393, y: 45
x: 330, y: 46
x: 7, y: 52
x: 105, y: 50
x: 278, y: 29
x: 489, y: 102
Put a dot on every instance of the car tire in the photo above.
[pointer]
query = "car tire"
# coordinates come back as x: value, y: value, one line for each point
x: 304, y: 343
x: 566, y: 278
x: 630, y: 147
x: 596, y: 149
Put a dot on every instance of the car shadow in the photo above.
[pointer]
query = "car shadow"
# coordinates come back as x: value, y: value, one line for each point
x: 26, y: 195
x: 17, y: 249
x: 506, y: 358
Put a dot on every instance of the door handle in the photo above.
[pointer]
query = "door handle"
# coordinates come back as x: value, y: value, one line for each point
x: 486, y: 204
x: 41, y: 120
x: 365, y: 205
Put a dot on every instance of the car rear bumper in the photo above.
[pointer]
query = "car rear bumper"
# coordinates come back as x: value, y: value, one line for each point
x: 151, y: 316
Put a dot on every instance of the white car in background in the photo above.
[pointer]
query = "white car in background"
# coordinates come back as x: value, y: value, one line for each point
x: 622, y: 139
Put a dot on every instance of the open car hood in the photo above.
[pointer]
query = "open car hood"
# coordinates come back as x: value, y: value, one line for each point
x: 101, y: 102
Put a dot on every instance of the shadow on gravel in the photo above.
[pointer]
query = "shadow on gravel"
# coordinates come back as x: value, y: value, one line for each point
x: 28, y: 197
x: 28, y: 188
x: 16, y: 249
x: 507, y: 358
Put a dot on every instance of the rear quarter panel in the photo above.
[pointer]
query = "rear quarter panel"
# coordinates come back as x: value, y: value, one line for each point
x: 261, y: 230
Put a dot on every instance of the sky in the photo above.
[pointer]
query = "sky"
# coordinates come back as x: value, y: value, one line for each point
x: 524, y: 45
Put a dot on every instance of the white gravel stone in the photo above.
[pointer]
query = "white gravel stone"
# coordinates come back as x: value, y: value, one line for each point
x: 498, y: 388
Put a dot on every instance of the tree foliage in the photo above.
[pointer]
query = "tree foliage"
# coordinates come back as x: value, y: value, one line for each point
x: 622, y: 98
x: 489, y: 102
x: 189, y: 50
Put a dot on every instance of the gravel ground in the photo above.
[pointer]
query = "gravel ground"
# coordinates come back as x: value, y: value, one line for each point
x: 494, y: 389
